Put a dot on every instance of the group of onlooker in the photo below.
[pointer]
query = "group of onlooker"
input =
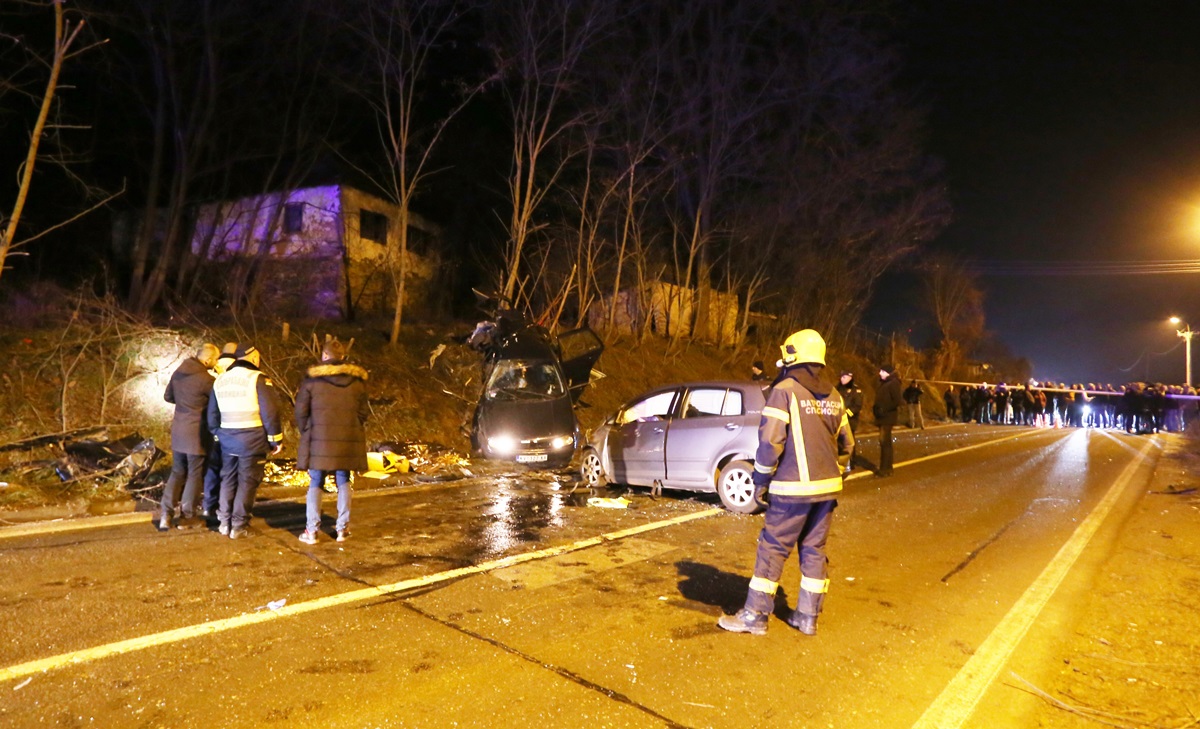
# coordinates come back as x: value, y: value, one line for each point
x: 1137, y: 407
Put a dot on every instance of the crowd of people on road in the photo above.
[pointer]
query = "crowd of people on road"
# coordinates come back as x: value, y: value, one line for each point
x: 1137, y: 407
x: 228, y: 419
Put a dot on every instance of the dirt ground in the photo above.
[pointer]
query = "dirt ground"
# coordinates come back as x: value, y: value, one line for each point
x: 1133, y: 659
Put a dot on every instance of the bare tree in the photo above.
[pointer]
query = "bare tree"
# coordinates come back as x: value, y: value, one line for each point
x: 67, y: 31
x: 403, y: 38
x: 954, y: 298
x: 540, y: 46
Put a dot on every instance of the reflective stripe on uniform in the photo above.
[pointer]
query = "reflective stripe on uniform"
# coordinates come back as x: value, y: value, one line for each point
x: 812, y: 584
x: 773, y: 412
x: 762, y: 584
x: 798, y: 438
x: 768, y: 470
x: 807, y: 488
x: 237, y: 399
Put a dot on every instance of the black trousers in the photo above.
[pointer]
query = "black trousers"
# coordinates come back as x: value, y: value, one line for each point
x: 212, y: 478
x: 886, y: 453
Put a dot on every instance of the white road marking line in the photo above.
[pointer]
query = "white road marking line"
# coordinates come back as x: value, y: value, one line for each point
x: 217, y: 626
x: 943, y: 454
x: 954, y: 706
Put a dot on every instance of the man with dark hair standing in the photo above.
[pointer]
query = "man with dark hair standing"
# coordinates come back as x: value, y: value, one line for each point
x: 331, y: 407
x: 802, y: 434
x: 912, y: 396
x: 188, y: 390
x: 244, y: 415
x: 853, y: 398
x: 886, y: 411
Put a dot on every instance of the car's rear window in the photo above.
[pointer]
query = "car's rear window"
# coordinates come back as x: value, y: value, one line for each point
x: 713, y: 401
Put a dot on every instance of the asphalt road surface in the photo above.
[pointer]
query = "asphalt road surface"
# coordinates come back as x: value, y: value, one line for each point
x: 507, y: 601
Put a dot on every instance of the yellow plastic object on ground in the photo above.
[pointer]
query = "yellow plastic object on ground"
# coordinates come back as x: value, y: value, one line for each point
x: 618, y: 503
x: 381, y: 464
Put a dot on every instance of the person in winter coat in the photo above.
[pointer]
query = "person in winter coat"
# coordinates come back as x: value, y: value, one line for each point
x: 886, y: 410
x: 801, y: 436
x: 244, y: 415
x: 951, y: 401
x: 912, y: 396
x: 188, y: 390
x: 852, y: 396
x: 331, y: 407
x: 212, y: 472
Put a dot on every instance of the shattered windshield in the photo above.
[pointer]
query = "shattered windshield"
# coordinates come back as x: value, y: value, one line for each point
x: 513, y: 379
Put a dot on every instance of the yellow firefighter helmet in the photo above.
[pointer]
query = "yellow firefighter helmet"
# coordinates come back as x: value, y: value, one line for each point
x: 803, y: 346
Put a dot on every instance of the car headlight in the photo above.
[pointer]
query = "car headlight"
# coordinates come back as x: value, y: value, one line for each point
x: 562, y: 441
x: 502, y: 444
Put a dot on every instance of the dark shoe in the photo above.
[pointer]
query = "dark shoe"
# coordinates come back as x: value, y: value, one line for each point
x: 806, y: 624
x: 883, y: 474
x: 745, y: 621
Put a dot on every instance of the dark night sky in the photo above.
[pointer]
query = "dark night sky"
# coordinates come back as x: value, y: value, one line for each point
x: 1070, y: 131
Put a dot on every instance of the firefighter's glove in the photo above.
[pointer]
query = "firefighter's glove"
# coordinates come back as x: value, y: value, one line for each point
x: 843, y: 463
x: 760, y: 480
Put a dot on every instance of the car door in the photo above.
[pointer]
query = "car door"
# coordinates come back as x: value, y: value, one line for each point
x: 638, y: 437
x: 580, y: 349
x: 710, y: 417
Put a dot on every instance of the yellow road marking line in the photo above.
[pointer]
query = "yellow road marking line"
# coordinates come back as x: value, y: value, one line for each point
x: 217, y: 626
x: 954, y: 706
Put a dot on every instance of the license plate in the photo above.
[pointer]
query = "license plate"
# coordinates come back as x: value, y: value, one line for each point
x: 532, y: 459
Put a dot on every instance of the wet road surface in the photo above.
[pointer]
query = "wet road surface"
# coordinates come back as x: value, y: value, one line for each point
x: 417, y: 621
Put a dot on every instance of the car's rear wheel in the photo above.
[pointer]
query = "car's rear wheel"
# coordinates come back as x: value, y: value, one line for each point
x: 735, y: 486
x: 591, y: 469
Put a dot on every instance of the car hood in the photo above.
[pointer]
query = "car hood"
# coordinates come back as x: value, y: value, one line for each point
x: 525, y: 419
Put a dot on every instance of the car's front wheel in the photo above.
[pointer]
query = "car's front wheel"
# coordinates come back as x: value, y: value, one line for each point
x: 591, y: 469
x: 735, y: 486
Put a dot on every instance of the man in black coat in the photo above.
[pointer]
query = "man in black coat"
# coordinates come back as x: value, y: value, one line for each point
x: 853, y: 397
x: 331, y: 408
x: 886, y: 410
x: 188, y: 390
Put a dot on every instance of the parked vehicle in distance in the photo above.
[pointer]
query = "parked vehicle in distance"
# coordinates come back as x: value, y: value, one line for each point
x: 698, y: 436
x: 525, y: 412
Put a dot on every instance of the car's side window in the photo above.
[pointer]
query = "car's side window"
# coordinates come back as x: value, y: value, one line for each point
x: 733, y: 403
x: 704, y: 402
x: 655, y: 407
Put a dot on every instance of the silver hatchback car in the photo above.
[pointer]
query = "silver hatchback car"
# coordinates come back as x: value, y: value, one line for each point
x: 698, y: 436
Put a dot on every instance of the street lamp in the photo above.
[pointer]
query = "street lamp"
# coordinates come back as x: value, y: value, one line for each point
x: 1186, y: 333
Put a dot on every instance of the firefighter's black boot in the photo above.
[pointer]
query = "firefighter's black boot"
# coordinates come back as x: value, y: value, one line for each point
x: 803, y: 622
x: 745, y: 621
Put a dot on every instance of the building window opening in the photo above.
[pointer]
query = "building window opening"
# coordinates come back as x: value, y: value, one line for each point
x: 372, y: 226
x: 293, y: 218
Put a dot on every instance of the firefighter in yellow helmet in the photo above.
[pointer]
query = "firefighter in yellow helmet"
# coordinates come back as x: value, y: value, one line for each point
x: 803, y: 441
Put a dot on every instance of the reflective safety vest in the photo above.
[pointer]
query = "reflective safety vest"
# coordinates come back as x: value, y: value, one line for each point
x: 798, y: 441
x: 237, y: 398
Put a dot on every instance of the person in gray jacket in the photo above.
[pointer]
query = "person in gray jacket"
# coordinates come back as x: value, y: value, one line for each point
x: 188, y: 390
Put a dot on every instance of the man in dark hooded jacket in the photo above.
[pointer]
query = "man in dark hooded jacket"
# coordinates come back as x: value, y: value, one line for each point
x: 188, y: 390
x: 886, y: 410
x: 804, y: 440
x: 331, y: 407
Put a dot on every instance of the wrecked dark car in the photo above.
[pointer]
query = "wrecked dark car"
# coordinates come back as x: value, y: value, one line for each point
x: 531, y: 383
